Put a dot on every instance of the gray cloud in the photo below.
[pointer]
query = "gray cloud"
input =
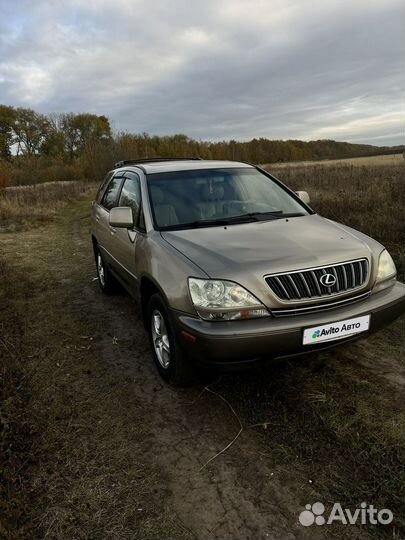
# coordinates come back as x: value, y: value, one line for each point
x: 214, y: 69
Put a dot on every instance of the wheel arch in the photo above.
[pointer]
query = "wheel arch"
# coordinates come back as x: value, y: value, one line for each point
x: 94, y: 242
x: 147, y: 288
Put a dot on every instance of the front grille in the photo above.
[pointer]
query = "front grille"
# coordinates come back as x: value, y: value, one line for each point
x: 306, y: 284
x: 315, y: 308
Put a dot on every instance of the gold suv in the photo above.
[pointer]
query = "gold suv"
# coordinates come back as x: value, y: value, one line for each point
x: 229, y: 265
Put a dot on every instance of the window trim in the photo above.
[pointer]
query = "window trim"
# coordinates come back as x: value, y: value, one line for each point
x: 141, y: 211
x: 103, y: 186
x: 270, y: 177
x: 114, y: 177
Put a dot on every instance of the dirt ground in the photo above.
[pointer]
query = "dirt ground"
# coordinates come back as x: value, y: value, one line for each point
x: 117, y: 454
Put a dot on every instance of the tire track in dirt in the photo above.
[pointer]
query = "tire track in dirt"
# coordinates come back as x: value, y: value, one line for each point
x: 239, y: 495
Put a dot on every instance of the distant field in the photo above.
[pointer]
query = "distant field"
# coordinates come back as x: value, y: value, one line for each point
x: 369, y: 198
x: 392, y: 159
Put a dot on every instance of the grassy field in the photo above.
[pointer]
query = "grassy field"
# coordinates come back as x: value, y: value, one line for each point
x: 27, y: 206
x: 367, y: 161
x: 368, y: 198
x: 93, y: 445
x: 71, y: 455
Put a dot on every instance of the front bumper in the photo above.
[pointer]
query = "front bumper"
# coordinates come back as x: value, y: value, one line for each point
x: 235, y: 343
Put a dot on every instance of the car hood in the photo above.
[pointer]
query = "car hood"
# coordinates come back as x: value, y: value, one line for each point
x: 265, y: 247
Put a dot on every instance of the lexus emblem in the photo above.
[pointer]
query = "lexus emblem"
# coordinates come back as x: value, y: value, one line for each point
x: 327, y: 280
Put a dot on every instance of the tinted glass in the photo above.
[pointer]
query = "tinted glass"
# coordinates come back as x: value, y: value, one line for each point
x: 111, y: 194
x: 103, y: 185
x: 131, y: 195
x: 186, y: 197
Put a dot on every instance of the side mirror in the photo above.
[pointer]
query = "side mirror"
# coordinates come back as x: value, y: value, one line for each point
x: 303, y: 195
x: 121, y: 217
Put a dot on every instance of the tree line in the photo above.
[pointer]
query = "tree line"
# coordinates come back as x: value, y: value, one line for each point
x: 27, y: 132
x: 35, y: 147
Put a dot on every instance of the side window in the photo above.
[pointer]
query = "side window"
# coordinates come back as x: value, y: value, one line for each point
x: 111, y: 193
x: 102, y: 187
x: 131, y: 196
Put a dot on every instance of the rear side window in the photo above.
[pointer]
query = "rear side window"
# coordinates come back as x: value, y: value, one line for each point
x: 111, y: 194
x: 131, y: 196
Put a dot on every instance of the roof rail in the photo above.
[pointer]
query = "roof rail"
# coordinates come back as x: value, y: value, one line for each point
x: 124, y: 162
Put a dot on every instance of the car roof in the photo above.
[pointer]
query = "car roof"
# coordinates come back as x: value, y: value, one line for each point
x: 151, y: 167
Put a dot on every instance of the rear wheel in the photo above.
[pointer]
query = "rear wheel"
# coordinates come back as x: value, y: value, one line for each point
x: 170, y: 359
x: 108, y: 283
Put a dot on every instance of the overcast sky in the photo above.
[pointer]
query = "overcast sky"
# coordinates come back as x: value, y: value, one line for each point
x: 213, y: 69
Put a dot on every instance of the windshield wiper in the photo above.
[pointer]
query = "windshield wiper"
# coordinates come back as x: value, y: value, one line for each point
x: 211, y: 222
x: 274, y: 214
x: 231, y: 220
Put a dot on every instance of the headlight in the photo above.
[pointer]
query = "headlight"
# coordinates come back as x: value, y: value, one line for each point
x: 224, y: 300
x: 386, y: 273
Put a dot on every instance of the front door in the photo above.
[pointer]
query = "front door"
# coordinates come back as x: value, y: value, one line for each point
x: 125, y: 239
x: 104, y: 232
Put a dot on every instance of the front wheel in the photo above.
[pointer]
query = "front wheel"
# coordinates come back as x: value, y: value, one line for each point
x: 169, y: 358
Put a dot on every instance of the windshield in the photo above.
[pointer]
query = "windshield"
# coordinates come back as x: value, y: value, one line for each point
x: 210, y: 197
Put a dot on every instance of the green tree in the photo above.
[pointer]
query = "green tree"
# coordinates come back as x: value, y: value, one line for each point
x: 7, y: 119
x: 54, y: 142
x: 80, y: 129
x: 30, y: 129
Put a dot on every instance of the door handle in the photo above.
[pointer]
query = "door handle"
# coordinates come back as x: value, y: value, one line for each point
x: 112, y: 230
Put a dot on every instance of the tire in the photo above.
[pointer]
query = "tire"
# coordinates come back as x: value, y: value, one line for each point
x: 108, y: 283
x: 171, y: 362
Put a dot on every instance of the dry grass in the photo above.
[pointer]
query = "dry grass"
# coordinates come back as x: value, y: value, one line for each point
x: 73, y: 452
x: 24, y: 206
x: 369, y: 199
x: 367, y: 161
x: 336, y: 420
x: 18, y: 425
